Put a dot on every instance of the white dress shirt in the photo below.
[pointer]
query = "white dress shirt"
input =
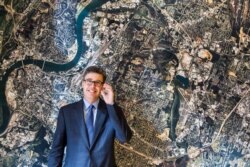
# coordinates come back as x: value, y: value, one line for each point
x: 86, y: 106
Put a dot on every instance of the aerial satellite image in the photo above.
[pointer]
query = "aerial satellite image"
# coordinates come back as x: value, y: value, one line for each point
x: 180, y: 70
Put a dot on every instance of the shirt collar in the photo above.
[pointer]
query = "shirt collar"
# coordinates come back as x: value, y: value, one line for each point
x: 86, y: 103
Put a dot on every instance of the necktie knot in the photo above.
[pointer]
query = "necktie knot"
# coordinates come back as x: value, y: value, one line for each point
x: 91, y: 107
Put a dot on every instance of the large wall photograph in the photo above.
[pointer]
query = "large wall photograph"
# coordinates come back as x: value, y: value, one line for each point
x: 180, y: 70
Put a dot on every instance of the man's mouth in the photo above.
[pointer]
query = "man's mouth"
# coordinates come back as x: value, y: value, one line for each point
x: 91, y: 91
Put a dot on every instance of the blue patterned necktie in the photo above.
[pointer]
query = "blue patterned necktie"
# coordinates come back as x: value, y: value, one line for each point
x: 90, y: 122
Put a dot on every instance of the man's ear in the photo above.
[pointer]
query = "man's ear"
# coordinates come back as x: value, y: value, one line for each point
x: 101, y: 95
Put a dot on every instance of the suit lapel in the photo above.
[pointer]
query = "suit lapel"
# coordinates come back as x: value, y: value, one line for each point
x: 100, y: 119
x: 81, y: 122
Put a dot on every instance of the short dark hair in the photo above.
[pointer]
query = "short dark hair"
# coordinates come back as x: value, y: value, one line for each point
x: 94, y: 69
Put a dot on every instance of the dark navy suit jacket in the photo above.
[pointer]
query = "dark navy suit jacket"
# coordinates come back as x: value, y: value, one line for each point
x: 71, y: 133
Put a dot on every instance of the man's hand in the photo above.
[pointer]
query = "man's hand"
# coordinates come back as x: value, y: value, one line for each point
x: 108, y: 94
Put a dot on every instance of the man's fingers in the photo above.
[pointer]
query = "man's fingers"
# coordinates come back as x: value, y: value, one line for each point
x: 107, y: 86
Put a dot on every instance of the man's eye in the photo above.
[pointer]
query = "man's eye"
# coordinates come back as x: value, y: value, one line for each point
x: 97, y: 82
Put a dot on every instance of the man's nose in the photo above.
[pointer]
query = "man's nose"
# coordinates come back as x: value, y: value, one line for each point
x: 92, y: 84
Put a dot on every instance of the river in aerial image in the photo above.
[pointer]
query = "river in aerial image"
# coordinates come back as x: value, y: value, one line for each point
x: 45, y: 65
x: 179, y: 69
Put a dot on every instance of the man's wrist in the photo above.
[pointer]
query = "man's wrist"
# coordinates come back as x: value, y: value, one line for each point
x: 110, y: 103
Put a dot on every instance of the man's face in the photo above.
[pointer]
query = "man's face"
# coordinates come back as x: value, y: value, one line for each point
x: 92, y: 86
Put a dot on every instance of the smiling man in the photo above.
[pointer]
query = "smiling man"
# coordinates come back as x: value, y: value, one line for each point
x: 88, y: 128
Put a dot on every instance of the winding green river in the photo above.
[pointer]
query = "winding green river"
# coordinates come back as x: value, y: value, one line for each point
x: 45, y: 65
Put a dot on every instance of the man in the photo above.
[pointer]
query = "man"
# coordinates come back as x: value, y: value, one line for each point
x: 87, y: 128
